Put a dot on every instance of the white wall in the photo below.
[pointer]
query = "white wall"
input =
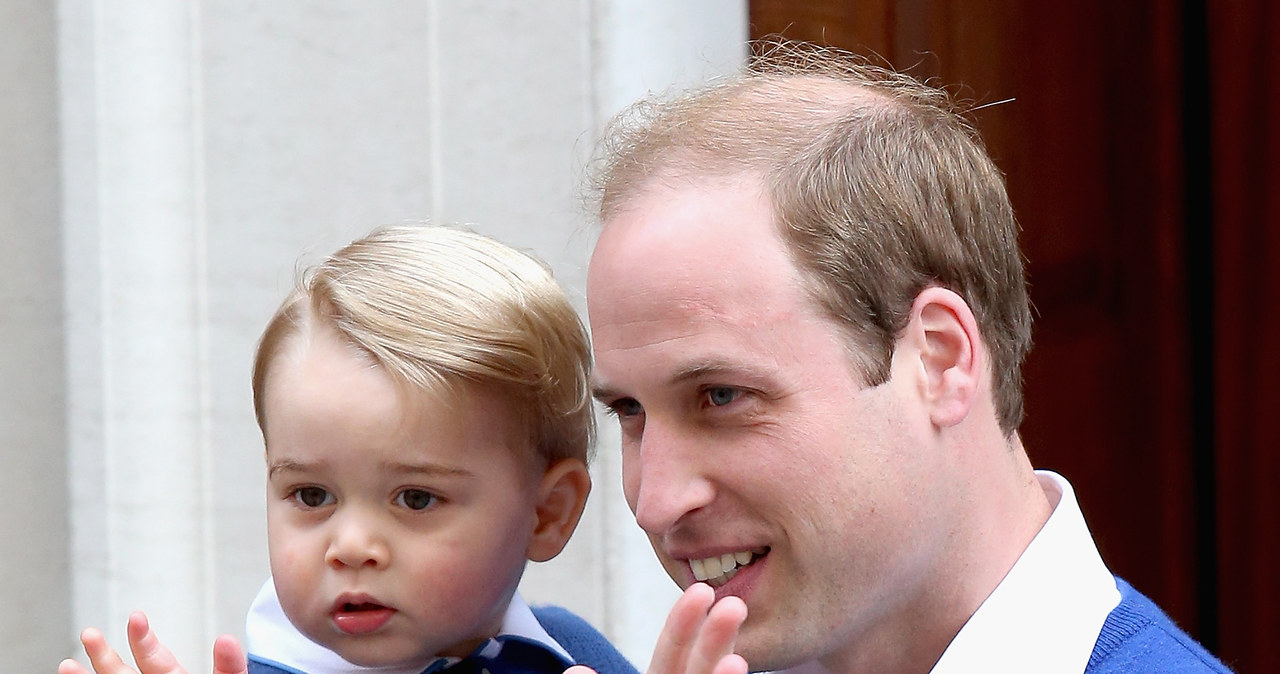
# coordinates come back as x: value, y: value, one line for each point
x: 206, y: 150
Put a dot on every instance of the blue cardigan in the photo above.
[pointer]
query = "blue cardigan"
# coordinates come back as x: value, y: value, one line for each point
x: 584, y: 643
x: 1138, y: 638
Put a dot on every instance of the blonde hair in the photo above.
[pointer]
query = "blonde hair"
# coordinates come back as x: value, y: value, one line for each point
x: 438, y: 307
x: 879, y: 186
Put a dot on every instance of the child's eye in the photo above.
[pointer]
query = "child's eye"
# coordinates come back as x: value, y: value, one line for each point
x: 313, y: 497
x: 415, y: 499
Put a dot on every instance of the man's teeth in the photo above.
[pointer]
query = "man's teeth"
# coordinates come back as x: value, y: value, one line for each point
x: 718, y: 570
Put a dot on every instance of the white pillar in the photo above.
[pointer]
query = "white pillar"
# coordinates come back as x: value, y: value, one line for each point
x: 134, y: 235
x: 33, y: 463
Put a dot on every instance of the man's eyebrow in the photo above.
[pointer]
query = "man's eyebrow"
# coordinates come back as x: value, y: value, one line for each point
x: 603, y: 393
x: 728, y: 371
x: 706, y: 370
x: 709, y: 369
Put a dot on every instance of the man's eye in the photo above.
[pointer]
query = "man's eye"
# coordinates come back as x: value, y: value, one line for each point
x: 313, y: 497
x: 720, y: 396
x: 415, y: 499
x: 625, y: 407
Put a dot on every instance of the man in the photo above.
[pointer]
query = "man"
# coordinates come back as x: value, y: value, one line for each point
x: 809, y: 315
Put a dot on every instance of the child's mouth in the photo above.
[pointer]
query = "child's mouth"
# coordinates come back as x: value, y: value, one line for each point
x: 360, y: 617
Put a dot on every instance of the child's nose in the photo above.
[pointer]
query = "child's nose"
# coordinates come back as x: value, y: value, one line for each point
x: 355, y: 543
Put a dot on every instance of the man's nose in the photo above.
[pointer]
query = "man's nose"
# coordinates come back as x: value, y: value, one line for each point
x: 356, y: 541
x: 665, y: 478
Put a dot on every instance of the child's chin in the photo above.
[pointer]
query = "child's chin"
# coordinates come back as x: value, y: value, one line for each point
x: 372, y: 654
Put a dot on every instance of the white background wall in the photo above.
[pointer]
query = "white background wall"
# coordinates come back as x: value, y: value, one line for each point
x: 165, y: 168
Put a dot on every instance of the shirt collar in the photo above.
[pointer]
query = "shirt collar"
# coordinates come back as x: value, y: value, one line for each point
x: 1048, y: 611
x: 273, y: 638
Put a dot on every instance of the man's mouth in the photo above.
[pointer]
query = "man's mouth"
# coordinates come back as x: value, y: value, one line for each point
x: 717, y: 571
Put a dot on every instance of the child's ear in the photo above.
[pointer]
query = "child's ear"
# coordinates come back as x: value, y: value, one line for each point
x: 561, y: 498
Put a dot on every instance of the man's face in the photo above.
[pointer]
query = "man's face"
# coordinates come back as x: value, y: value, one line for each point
x: 397, y: 531
x: 753, y: 456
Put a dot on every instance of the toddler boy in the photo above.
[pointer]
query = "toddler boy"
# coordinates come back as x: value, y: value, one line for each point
x: 424, y: 404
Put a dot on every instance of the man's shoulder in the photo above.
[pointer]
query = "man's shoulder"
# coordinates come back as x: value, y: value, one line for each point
x: 584, y: 642
x: 1139, y: 637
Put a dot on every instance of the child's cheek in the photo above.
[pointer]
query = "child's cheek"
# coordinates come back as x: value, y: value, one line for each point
x: 294, y: 566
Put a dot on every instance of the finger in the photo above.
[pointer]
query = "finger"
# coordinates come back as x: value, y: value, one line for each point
x: 671, y: 654
x: 228, y: 657
x: 731, y: 664
x: 151, y: 655
x: 104, y: 658
x: 70, y: 666
x: 716, y: 637
x: 576, y: 669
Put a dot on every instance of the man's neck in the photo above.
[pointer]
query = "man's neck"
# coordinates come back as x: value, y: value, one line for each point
x: 1000, y: 507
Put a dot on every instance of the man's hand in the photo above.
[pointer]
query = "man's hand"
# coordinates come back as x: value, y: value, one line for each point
x: 697, y: 637
x: 151, y: 655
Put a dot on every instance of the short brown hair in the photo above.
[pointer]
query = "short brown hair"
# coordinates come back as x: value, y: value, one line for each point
x: 879, y: 185
x: 437, y: 307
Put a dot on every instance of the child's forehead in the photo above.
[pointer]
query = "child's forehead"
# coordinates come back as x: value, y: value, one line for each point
x: 417, y: 428
x: 425, y: 396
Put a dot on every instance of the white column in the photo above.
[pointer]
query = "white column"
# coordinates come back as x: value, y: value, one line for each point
x: 137, y: 337
x: 33, y: 464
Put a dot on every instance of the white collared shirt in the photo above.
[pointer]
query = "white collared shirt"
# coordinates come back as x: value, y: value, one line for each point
x: 272, y: 637
x: 1047, y: 613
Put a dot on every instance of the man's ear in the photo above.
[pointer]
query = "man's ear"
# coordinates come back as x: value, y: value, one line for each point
x: 950, y: 350
x: 562, y: 495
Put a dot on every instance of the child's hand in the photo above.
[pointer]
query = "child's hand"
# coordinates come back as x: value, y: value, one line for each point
x: 151, y: 655
x: 698, y: 636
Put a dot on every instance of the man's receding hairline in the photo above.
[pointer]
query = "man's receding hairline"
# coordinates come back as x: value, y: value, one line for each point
x: 822, y: 86
x: 823, y: 95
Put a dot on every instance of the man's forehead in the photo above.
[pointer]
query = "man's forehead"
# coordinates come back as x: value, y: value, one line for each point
x: 687, y: 331
x: 691, y: 259
x: 686, y: 227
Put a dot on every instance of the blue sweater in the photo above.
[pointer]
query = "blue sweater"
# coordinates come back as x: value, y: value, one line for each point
x: 575, y: 635
x: 584, y: 643
x: 1138, y: 638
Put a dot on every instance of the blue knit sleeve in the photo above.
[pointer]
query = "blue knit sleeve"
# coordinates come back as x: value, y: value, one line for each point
x: 584, y: 643
x: 260, y: 666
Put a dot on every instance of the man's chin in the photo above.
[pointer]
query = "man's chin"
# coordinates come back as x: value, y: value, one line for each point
x: 766, y: 650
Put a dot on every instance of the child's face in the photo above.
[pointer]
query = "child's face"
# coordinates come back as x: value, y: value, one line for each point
x: 397, y: 532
